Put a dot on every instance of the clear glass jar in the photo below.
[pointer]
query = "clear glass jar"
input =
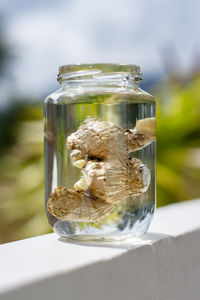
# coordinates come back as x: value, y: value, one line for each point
x: 99, y: 153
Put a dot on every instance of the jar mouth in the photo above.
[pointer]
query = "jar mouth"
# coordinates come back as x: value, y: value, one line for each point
x: 98, y: 71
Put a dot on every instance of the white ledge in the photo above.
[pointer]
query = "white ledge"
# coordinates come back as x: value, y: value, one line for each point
x: 164, y: 264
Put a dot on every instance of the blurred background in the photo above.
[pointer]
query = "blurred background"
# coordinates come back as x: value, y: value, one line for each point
x: 36, y: 37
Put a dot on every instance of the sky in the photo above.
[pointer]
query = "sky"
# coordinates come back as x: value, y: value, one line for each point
x: 46, y: 34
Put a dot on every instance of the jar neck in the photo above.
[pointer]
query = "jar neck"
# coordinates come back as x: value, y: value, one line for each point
x: 123, y: 76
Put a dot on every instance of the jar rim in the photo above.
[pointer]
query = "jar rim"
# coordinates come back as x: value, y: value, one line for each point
x: 68, y: 71
x: 105, y: 67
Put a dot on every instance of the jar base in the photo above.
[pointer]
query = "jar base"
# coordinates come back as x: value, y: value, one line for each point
x: 68, y: 231
x: 86, y: 239
x: 127, y: 241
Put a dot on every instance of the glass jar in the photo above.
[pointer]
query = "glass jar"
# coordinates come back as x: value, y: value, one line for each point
x: 99, y: 149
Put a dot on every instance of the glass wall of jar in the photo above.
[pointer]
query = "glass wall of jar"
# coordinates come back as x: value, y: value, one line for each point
x: 99, y: 153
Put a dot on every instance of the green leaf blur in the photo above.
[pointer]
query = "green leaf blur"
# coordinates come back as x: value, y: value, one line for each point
x: 178, y: 140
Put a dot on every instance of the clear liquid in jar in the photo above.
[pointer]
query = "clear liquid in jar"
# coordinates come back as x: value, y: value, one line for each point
x: 133, y: 214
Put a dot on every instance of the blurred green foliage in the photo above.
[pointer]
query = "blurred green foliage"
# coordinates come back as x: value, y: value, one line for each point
x: 22, y: 211
x: 21, y: 174
x: 178, y: 140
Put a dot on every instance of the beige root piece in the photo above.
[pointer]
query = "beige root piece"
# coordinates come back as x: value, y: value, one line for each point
x: 73, y: 205
x: 100, y: 149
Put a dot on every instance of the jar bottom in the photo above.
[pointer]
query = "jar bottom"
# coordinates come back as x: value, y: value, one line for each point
x: 64, y: 230
x: 99, y: 239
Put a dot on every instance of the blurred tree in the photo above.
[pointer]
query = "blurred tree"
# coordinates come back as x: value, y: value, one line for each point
x: 21, y: 159
x: 21, y: 176
x: 178, y: 139
x: 5, y: 52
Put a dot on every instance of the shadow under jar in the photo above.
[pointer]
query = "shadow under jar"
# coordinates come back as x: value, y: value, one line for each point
x: 99, y: 148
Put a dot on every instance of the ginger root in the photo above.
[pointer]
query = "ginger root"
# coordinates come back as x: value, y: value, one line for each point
x: 100, y: 149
